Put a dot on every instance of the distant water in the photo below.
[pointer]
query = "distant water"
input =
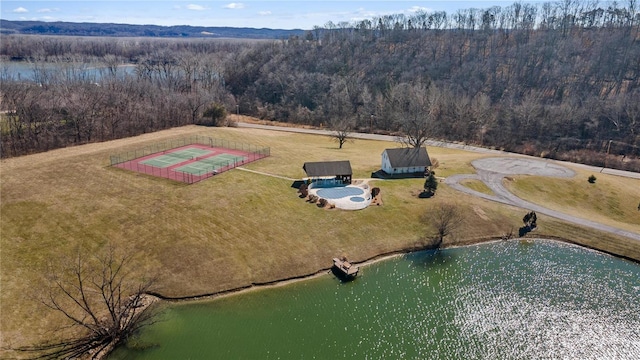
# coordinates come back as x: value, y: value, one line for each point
x: 42, y: 72
x: 503, y: 300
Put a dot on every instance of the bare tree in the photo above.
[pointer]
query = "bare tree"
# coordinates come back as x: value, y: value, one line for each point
x: 98, y: 296
x: 340, y: 131
x: 340, y: 111
x: 415, y: 108
x: 482, y: 115
x: 445, y: 218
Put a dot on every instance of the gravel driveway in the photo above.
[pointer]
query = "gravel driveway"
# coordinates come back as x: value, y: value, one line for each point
x: 492, y: 171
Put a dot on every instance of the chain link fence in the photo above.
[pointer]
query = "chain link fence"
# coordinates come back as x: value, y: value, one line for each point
x: 130, y: 160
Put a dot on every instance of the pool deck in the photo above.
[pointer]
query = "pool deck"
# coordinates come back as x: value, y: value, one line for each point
x: 345, y: 203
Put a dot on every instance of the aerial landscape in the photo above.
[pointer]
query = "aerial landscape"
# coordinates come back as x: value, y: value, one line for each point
x: 289, y: 179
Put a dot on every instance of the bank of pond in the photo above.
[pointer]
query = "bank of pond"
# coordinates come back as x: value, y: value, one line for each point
x: 502, y: 300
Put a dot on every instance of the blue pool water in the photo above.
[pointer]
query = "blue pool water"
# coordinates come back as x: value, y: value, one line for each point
x: 357, y: 199
x: 339, y: 192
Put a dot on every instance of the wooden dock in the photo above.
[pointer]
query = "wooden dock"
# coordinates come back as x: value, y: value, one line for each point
x: 345, y: 269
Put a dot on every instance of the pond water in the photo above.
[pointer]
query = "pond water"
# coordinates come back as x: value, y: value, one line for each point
x: 502, y: 300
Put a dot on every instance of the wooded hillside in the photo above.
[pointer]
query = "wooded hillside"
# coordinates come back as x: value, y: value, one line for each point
x: 557, y: 80
x: 105, y: 29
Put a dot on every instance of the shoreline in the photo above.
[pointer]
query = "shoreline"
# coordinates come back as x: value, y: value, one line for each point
x: 365, y: 262
x: 151, y: 298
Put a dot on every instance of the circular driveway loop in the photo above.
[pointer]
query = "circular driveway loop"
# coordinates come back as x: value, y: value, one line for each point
x: 516, y: 166
x: 492, y: 171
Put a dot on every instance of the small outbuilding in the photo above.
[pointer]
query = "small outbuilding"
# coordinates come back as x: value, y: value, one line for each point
x: 339, y: 170
x: 406, y: 161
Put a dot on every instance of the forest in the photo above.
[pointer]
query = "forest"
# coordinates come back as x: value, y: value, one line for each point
x: 557, y: 80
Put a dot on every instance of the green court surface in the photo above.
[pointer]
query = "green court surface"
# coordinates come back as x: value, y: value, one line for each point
x: 208, y: 165
x: 175, y: 157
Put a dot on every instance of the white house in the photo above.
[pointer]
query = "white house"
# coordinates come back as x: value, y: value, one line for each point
x: 405, y: 161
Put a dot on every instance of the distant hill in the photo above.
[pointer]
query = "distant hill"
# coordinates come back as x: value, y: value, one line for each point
x: 122, y: 30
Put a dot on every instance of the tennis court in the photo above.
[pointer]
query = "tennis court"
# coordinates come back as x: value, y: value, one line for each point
x: 212, y: 164
x: 175, y: 157
x: 189, y: 160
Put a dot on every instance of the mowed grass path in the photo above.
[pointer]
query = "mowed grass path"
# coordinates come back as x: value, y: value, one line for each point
x: 232, y: 230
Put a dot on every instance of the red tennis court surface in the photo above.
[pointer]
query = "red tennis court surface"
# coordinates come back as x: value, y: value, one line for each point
x: 191, y: 163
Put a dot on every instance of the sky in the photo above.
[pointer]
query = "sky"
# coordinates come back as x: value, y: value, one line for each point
x: 282, y: 14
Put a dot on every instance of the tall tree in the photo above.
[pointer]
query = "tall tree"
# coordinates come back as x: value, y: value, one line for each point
x: 416, y: 109
x: 100, y: 297
x: 445, y: 218
x: 340, y: 111
x: 340, y: 131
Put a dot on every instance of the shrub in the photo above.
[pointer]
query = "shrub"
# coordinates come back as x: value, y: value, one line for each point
x: 304, y: 190
x: 431, y: 184
x: 213, y: 116
x: 591, y: 179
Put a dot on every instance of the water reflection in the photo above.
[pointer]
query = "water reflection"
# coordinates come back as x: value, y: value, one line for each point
x: 431, y: 258
x: 506, y: 300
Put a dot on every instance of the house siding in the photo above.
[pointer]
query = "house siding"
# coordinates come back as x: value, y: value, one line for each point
x: 389, y: 169
x: 386, y: 165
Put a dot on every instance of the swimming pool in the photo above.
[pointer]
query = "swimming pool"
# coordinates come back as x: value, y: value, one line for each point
x: 339, y: 192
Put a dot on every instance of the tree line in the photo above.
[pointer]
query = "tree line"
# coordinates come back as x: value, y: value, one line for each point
x: 558, y: 79
x: 129, y: 30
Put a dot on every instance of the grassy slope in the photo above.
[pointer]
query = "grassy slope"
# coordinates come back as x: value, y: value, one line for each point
x: 612, y: 200
x: 228, y: 231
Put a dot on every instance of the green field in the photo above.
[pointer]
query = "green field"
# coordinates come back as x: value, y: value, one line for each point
x: 238, y: 227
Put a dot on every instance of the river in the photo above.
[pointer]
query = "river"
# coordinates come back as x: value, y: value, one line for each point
x: 502, y: 300
x: 43, y: 71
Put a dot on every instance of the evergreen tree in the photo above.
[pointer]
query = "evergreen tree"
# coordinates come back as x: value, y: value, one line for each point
x: 431, y: 184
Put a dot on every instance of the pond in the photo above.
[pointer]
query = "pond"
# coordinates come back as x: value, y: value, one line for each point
x: 507, y: 300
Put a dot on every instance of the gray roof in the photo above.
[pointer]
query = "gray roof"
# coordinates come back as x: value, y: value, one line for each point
x: 408, y: 157
x: 327, y: 168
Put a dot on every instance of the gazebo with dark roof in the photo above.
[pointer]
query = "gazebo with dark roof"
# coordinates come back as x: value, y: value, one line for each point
x: 341, y: 170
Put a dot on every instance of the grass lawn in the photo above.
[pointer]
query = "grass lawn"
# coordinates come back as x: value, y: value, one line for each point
x: 611, y: 200
x: 238, y: 227
x: 477, y: 185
